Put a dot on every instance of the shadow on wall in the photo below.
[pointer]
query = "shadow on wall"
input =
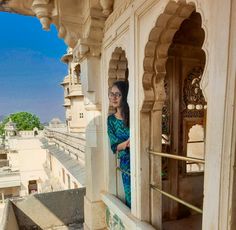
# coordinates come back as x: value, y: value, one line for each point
x: 43, y: 211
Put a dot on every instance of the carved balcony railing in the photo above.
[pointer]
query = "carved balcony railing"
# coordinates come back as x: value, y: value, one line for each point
x: 9, y: 178
x: 75, y: 91
x: 71, y: 143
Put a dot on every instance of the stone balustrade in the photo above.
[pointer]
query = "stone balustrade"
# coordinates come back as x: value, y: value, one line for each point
x: 9, y: 178
x: 73, y: 144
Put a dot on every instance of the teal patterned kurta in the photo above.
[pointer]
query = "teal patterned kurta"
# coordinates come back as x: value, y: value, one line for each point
x: 118, y: 132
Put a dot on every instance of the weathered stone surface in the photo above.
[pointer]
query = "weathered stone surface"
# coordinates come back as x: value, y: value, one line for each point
x: 54, y: 210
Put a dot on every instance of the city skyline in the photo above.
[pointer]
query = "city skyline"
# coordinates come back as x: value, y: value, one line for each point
x: 30, y: 68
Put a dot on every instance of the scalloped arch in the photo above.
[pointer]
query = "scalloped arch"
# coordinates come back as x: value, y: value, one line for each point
x: 156, y: 50
x: 118, y: 69
x: 118, y: 66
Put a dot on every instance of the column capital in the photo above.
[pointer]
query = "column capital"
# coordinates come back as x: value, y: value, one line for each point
x: 85, y: 48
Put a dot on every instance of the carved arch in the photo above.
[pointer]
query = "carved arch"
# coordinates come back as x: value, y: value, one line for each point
x: 156, y: 51
x: 118, y: 66
x: 156, y: 55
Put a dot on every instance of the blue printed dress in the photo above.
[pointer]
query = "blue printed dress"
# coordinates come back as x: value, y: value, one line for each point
x: 118, y: 132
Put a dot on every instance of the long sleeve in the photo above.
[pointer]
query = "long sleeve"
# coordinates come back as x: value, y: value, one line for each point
x: 114, y: 141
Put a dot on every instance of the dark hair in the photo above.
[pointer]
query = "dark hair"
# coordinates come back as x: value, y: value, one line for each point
x: 123, y: 87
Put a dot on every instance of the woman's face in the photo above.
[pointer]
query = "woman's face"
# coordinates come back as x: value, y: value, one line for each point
x: 115, y: 97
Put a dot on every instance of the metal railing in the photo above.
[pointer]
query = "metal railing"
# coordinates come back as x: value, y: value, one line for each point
x: 118, y: 169
x: 177, y: 199
x: 121, y: 170
x: 176, y: 157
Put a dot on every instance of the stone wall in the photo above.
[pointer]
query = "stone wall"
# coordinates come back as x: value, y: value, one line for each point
x: 42, y: 211
x: 9, y: 221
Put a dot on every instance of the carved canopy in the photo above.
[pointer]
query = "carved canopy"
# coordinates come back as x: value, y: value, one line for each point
x: 79, y: 22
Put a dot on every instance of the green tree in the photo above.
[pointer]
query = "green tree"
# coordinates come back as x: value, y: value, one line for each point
x: 23, y: 120
x: 1, y: 128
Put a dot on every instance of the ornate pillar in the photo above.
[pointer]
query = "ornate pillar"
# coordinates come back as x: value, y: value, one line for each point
x: 90, y: 64
x: 155, y: 164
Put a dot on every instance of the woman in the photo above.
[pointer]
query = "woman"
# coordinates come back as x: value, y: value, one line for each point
x: 118, y: 132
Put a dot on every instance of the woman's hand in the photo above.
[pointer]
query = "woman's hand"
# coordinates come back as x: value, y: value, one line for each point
x: 128, y: 143
x: 123, y: 145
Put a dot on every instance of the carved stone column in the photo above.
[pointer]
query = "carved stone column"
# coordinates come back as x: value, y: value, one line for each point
x: 91, y: 85
x: 155, y: 161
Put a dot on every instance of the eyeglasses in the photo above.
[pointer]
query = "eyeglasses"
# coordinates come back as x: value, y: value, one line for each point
x: 114, y: 95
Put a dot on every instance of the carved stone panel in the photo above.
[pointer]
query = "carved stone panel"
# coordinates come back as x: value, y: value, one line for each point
x: 193, y: 100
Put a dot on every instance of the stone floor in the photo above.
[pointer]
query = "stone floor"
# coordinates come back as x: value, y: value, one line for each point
x: 190, y: 223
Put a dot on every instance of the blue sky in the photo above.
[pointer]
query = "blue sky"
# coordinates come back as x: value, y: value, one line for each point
x: 30, y: 68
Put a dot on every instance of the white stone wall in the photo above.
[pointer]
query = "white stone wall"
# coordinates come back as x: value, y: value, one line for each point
x: 131, y: 31
x: 29, y: 159
x: 57, y: 168
x: 129, y: 27
x: 77, y: 123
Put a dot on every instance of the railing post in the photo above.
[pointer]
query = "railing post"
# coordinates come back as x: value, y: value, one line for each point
x: 156, y: 165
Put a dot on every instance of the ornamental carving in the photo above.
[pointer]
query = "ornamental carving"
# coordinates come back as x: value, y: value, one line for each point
x: 107, y: 6
x: 113, y: 221
x: 166, y: 111
x: 43, y: 10
x: 116, y: 14
x: 193, y: 100
x: 165, y: 130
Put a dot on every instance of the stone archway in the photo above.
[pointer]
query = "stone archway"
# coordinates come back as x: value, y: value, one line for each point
x: 156, y: 50
x: 118, y: 71
x: 155, y: 69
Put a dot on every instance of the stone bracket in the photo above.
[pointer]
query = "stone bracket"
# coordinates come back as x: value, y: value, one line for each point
x: 43, y: 11
x: 86, y: 47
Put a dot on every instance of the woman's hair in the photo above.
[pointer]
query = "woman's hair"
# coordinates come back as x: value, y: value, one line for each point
x: 123, y: 87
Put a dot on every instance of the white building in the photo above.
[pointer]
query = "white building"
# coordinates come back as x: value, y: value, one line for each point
x: 74, y: 98
x: 179, y: 58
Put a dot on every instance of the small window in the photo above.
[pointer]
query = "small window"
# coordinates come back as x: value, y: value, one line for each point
x: 81, y: 115
x: 32, y: 186
x: 63, y: 175
x: 68, y: 179
x: 50, y: 162
x: 195, y: 148
x: 77, y: 72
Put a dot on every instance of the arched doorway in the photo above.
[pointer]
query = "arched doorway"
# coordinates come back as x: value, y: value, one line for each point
x: 173, y: 107
x: 118, y: 71
x: 32, y: 186
x: 187, y: 112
